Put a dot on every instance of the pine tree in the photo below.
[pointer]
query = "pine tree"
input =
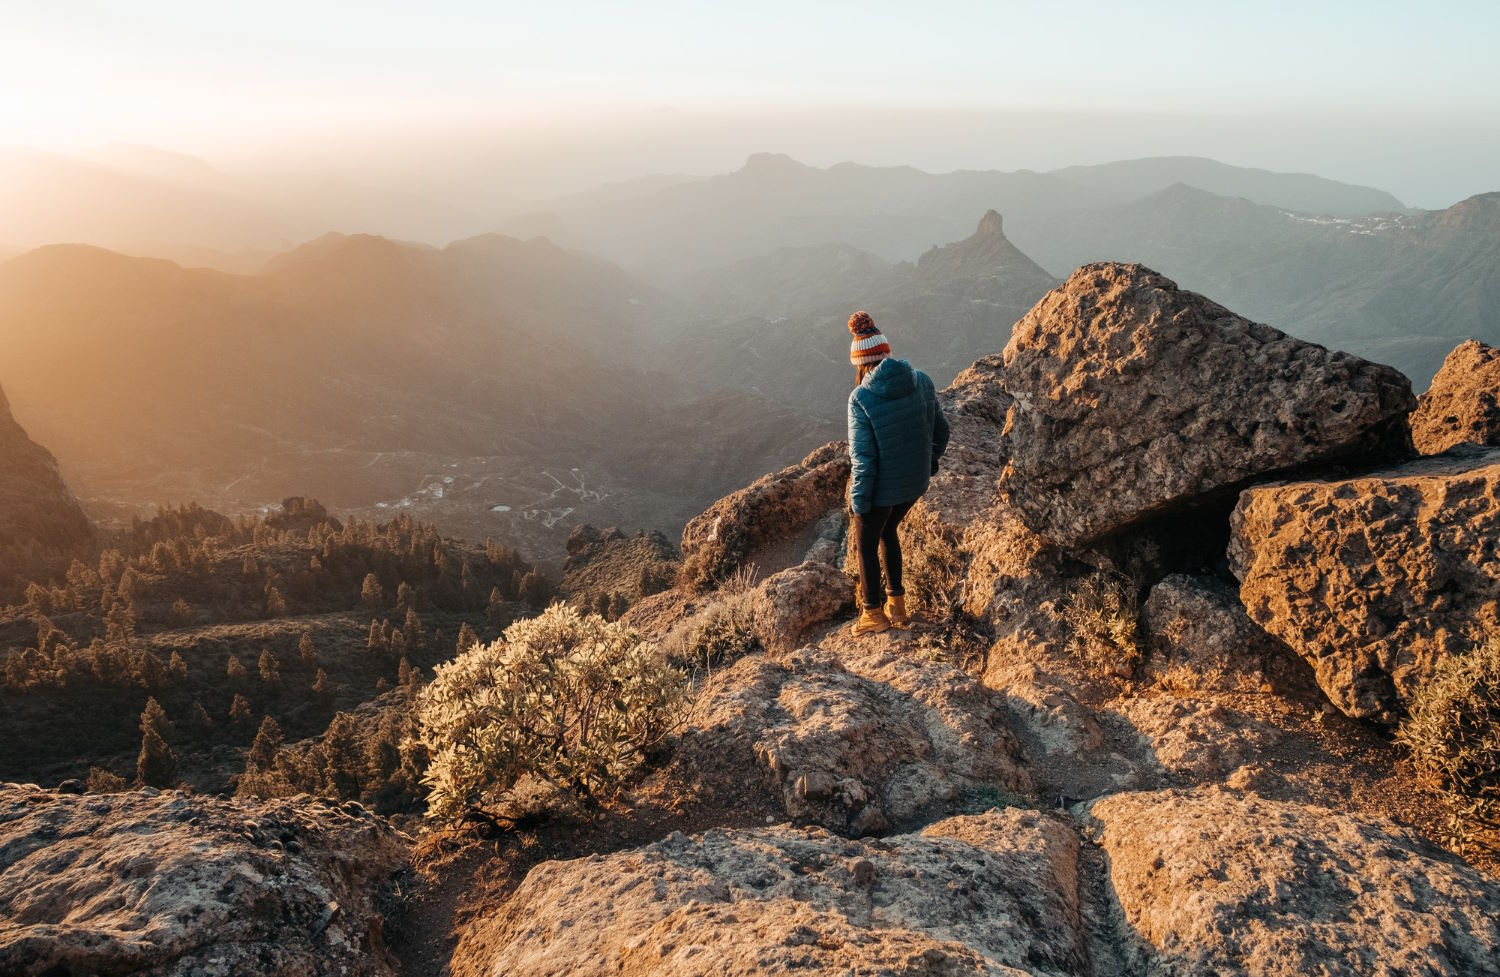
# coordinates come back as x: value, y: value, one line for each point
x: 495, y: 615
x: 618, y: 605
x: 416, y: 637
x: 177, y: 667
x: 270, y: 669
x: 404, y: 674
x: 320, y: 687
x: 239, y: 710
x: 376, y: 640
x: 201, y: 718
x: 155, y: 717
x: 156, y: 766
x: 235, y: 670
x: 398, y: 645
x: 405, y: 598
x: 268, y: 740
x: 307, y: 651
x: 466, y: 638
x: 372, y: 594
x: 275, y: 603
x: 534, y: 589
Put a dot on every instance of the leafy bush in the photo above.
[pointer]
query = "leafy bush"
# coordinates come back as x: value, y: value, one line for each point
x: 1453, y: 733
x: 1101, y: 615
x: 567, y: 698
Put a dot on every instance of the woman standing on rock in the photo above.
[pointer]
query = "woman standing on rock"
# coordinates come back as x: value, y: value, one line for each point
x: 897, y: 433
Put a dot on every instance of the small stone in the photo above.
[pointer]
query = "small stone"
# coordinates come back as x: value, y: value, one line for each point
x: 870, y: 820
x: 863, y: 871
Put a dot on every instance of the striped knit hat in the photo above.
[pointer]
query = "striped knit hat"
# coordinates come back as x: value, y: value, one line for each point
x: 869, y: 346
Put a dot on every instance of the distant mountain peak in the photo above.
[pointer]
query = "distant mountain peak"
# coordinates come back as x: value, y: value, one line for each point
x: 986, y: 253
x: 772, y: 163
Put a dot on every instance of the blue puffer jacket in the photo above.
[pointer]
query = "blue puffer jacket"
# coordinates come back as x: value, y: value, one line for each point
x: 897, y: 432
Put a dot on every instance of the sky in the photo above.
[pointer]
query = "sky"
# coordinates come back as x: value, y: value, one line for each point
x: 549, y: 98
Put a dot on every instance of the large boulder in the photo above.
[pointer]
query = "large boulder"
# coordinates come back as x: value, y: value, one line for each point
x: 1463, y: 404
x: 1212, y: 883
x: 1134, y: 398
x: 856, y: 736
x: 37, y: 512
x: 1374, y: 579
x: 994, y: 893
x: 774, y: 509
x: 175, y: 885
x: 963, y: 545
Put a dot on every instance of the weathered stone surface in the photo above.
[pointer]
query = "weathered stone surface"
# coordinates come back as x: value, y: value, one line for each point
x: 858, y: 744
x: 1196, y: 738
x: 1214, y: 883
x: 36, y: 508
x: 1197, y: 633
x: 1374, y: 579
x: 1133, y: 398
x: 963, y: 544
x: 993, y: 894
x: 1463, y: 404
x: 175, y: 885
x: 774, y: 508
x: 788, y: 605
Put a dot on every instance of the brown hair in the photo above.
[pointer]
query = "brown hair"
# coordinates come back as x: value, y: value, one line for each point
x: 862, y: 371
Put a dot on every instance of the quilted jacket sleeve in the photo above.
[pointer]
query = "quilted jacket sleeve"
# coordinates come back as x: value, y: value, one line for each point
x: 862, y: 458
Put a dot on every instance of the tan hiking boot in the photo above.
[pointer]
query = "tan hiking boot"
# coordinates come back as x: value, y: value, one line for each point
x: 871, y: 621
x: 895, y: 610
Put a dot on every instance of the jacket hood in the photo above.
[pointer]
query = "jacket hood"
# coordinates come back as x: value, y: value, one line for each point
x: 891, y: 379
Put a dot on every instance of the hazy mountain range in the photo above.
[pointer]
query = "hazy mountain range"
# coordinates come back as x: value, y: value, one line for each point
x: 670, y: 338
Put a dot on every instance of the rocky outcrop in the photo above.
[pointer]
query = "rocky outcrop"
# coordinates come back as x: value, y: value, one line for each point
x: 1463, y: 404
x: 1374, y: 579
x: 36, y: 509
x: 774, y: 509
x: 855, y: 736
x: 786, y: 606
x: 1133, y: 398
x: 175, y: 885
x: 994, y: 893
x: 607, y: 562
x: 1214, y: 883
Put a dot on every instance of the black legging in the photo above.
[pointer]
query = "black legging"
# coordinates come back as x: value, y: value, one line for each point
x: 875, y: 535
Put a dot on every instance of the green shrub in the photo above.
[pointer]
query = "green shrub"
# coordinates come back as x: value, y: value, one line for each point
x: 1103, y: 623
x: 1453, y: 734
x: 566, y: 698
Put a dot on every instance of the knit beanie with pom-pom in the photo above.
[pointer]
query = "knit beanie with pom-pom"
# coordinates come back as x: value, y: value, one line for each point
x: 869, y: 346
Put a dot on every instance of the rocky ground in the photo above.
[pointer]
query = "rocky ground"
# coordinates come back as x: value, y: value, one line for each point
x: 1140, y: 724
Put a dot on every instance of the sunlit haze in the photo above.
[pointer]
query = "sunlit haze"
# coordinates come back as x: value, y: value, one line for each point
x: 531, y: 100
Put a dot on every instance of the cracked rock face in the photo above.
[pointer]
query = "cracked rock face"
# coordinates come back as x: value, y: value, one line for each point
x: 1212, y: 883
x: 1133, y: 398
x: 1374, y: 579
x: 176, y: 885
x: 994, y: 894
x: 857, y: 745
x: 1463, y: 404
